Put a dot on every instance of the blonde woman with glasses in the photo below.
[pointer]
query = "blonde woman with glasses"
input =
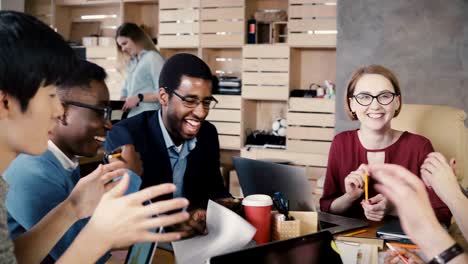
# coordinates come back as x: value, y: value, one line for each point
x: 373, y: 97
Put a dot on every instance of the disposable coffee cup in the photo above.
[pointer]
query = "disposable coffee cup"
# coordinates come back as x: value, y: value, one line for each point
x: 257, y: 208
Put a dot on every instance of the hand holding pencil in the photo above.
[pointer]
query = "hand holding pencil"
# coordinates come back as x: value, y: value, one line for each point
x: 354, y: 183
x: 397, y: 254
x: 366, y: 185
x: 374, y: 207
x: 128, y: 155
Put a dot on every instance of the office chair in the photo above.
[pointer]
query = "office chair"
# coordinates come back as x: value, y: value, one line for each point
x: 444, y: 126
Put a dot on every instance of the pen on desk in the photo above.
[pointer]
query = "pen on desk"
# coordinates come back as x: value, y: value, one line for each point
x: 366, y: 185
x: 355, y: 232
x: 403, y: 258
x: 407, y: 246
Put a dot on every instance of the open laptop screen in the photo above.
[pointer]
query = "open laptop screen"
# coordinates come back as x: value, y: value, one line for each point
x: 310, y: 249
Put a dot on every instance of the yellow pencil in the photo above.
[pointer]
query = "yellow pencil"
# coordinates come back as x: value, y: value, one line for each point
x: 366, y: 185
x: 407, y: 246
x: 115, y: 155
x: 355, y: 232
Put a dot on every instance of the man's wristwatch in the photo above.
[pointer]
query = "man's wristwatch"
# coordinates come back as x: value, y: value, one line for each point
x: 140, y: 97
x: 447, y: 254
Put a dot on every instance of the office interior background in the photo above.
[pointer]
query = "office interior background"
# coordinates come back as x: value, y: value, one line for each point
x: 296, y: 45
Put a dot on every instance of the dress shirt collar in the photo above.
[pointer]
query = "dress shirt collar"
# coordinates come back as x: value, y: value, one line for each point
x: 68, y: 164
x: 167, y: 137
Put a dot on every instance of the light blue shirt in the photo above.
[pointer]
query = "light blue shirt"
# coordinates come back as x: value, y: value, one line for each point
x: 37, y: 185
x: 143, y: 77
x: 178, y: 157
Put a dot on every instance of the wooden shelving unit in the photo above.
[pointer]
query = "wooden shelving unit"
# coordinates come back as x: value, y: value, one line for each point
x: 179, y: 25
x: 265, y: 72
x: 227, y: 119
x: 312, y: 23
x: 42, y: 9
x: 222, y: 23
x: 311, y: 125
x: 224, y: 61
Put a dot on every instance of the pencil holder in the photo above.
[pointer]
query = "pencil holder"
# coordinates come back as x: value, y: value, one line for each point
x: 304, y: 223
x: 284, y: 229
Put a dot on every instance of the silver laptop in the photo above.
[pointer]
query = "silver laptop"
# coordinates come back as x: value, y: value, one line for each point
x: 263, y: 177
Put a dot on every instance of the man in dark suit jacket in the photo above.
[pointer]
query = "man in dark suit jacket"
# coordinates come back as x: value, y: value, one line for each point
x: 176, y: 144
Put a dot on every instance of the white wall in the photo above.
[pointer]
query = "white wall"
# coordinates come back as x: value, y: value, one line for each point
x: 17, y: 5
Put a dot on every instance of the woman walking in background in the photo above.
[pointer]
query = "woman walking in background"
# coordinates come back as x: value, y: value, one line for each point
x: 143, y: 64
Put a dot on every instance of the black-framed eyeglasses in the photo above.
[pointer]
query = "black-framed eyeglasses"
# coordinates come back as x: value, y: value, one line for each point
x: 366, y: 99
x: 192, y: 102
x: 106, y: 112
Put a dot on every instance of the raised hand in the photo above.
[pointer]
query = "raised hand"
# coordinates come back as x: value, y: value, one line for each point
x: 408, y: 194
x: 438, y: 174
x: 89, y: 189
x: 124, y: 220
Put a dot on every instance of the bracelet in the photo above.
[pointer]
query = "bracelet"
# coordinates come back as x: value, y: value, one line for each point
x: 140, y: 97
x: 447, y: 254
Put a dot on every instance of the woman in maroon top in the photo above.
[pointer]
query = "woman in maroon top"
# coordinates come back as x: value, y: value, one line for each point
x: 374, y: 98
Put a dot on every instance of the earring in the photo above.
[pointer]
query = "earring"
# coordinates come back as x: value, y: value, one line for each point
x: 354, y: 115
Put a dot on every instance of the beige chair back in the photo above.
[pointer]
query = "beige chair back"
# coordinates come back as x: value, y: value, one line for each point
x: 444, y: 126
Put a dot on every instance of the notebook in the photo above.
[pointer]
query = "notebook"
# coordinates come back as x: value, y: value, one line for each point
x: 392, y: 231
x: 311, y: 249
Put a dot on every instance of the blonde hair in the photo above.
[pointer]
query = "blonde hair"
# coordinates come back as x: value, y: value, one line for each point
x: 138, y: 36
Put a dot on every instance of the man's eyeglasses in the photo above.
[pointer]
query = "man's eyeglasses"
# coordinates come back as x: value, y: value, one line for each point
x: 192, y: 102
x: 106, y: 112
x: 366, y: 99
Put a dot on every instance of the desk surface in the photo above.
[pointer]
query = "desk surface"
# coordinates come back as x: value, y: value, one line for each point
x: 163, y: 256
x: 166, y: 257
x: 371, y: 229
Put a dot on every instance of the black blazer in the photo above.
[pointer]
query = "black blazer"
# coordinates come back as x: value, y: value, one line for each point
x: 202, y: 179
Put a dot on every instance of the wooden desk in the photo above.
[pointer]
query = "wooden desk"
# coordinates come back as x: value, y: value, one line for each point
x: 166, y: 257
x: 160, y: 257
x: 371, y: 229
x: 163, y: 256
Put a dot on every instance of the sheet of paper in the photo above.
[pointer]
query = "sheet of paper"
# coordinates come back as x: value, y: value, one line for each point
x: 368, y: 254
x: 227, y: 232
x: 348, y: 251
